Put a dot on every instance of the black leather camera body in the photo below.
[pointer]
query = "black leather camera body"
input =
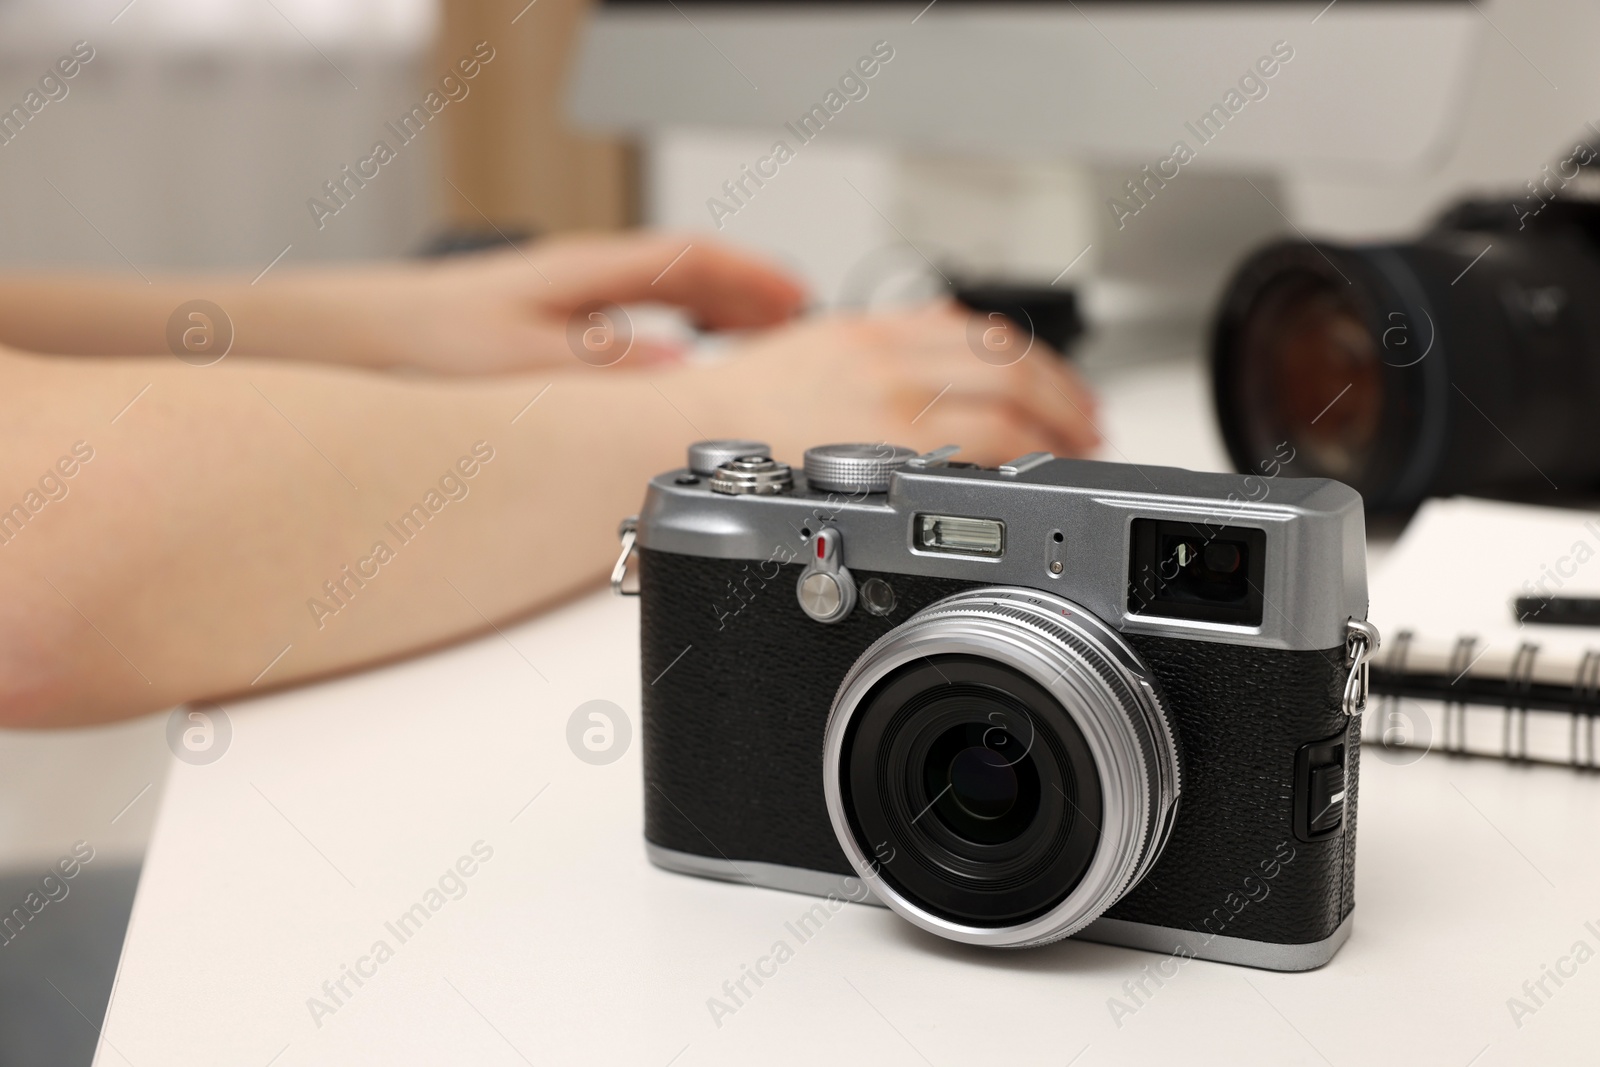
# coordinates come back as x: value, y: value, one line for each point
x: 1054, y: 698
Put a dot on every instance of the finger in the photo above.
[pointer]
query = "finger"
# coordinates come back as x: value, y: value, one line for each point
x: 930, y: 355
x: 989, y: 433
x: 1061, y: 375
x: 1058, y: 393
x: 721, y: 288
x: 1039, y: 381
x: 930, y: 324
x: 1039, y: 393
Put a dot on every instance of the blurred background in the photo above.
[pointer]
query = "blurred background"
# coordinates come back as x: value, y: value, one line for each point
x: 995, y: 146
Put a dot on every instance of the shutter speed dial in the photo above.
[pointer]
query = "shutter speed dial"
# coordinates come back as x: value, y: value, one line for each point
x: 854, y: 468
x: 826, y: 590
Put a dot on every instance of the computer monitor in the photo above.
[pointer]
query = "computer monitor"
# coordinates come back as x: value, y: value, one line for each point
x: 1367, y: 87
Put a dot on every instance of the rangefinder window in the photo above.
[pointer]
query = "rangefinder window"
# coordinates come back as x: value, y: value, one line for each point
x: 1191, y: 570
x: 961, y: 536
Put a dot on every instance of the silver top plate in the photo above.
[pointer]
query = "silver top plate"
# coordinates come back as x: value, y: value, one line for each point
x: 1315, y: 569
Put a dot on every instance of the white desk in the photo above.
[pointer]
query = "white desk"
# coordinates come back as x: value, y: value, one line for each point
x: 337, y: 806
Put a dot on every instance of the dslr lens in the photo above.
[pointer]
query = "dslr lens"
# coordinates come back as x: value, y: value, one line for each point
x: 999, y: 768
x: 1464, y: 362
x: 1311, y: 344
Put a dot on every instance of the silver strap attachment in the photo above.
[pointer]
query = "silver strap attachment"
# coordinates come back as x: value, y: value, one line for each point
x: 627, y: 533
x: 1360, y: 643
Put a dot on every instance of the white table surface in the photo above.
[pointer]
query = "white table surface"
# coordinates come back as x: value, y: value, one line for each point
x: 337, y: 806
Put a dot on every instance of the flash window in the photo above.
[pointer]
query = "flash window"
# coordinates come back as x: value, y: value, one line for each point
x: 960, y: 536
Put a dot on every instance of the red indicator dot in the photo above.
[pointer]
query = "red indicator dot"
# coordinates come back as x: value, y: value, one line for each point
x: 821, y: 548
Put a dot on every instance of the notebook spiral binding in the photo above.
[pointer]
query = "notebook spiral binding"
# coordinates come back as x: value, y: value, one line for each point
x: 1517, y: 694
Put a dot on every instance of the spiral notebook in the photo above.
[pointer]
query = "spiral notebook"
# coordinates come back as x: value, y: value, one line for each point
x: 1462, y: 669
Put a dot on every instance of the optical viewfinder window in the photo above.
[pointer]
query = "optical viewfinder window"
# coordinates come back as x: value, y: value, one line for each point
x: 1192, y: 570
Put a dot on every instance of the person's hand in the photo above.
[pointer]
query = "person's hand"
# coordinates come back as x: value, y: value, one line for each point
x: 510, y: 309
x: 910, y: 378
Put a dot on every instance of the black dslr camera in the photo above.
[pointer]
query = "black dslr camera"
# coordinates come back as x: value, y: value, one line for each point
x: 1013, y: 704
x: 1467, y: 361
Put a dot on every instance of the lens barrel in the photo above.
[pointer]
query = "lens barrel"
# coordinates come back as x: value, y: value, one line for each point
x: 1466, y: 362
x: 1000, y: 768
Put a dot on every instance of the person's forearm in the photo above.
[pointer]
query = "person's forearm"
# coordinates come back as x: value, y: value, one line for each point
x: 246, y: 525
x: 295, y: 315
x: 495, y: 312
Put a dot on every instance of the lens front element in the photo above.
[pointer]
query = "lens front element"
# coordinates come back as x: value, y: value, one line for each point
x: 984, y: 787
x: 999, y: 768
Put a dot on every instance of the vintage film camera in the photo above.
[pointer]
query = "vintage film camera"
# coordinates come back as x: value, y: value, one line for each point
x: 1057, y: 697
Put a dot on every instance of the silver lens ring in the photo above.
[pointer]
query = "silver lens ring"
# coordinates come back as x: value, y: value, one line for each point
x: 1107, y: 693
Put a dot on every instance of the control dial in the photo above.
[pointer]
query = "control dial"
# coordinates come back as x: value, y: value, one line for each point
x: 855, y: 468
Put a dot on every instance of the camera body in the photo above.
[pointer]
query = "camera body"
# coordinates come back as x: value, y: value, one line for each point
x: 1052, y: 698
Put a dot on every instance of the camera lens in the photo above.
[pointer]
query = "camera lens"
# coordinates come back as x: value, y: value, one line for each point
x: 980, y: 778
x: 1000, y: 768
x: 1464, y: 362
x: 1311, y: 344
x: 982, y: 785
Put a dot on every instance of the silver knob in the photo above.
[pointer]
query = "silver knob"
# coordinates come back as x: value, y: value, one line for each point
x: 706, y: 456
x: 752, y: 476
x: 855, y: 468
x: 821, y: 596
x: 826, y: 590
